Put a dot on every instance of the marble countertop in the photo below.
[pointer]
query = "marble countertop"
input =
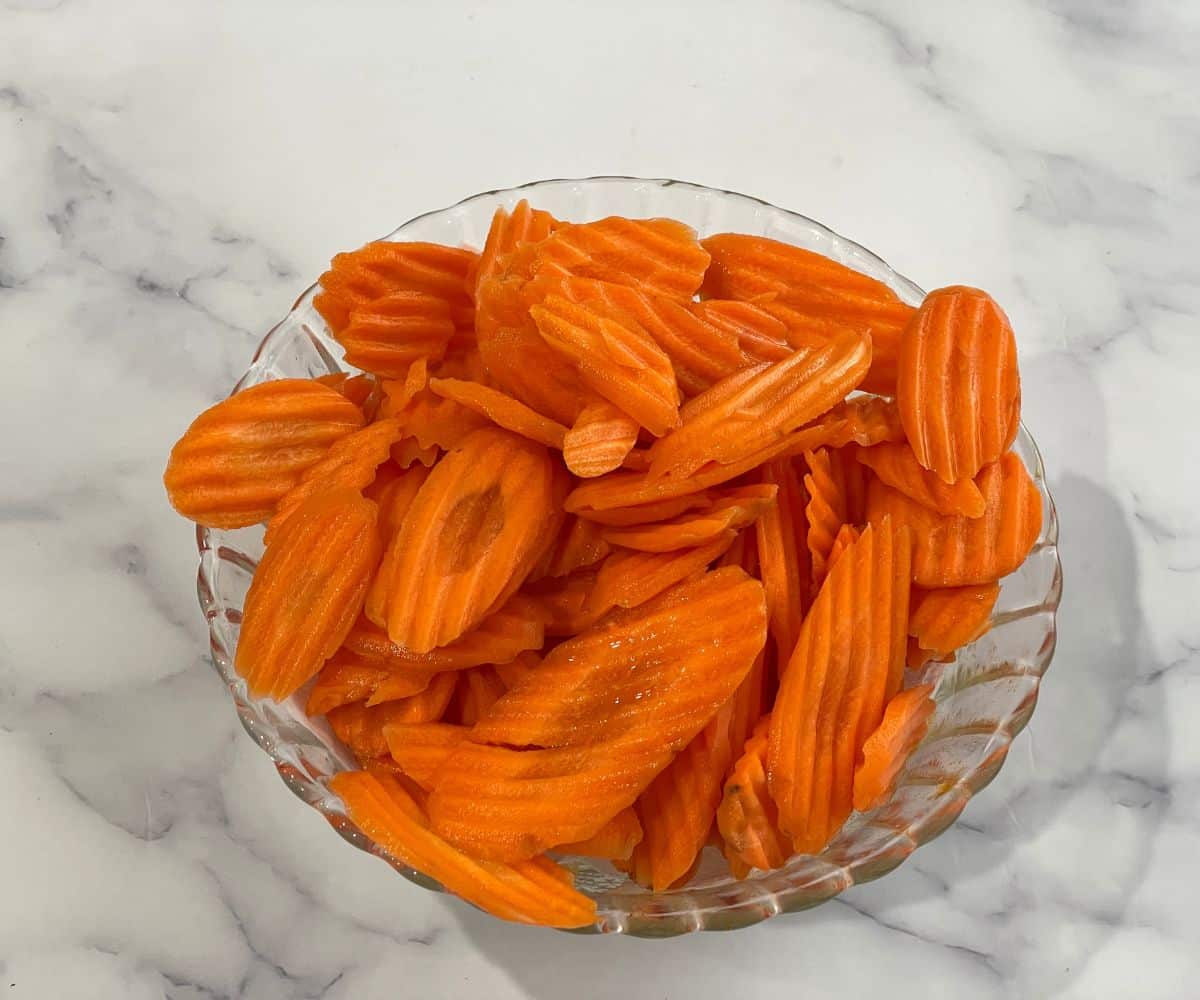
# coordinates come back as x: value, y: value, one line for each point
x: 173, y: 175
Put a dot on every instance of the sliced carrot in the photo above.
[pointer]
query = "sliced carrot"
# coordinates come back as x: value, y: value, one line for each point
x: 945, y: 620
x: 731, y: 509
x: 531, y: 892
x: 344, y: 678
x: 955, y: 551
x: 826, y: 510
x: 579, y: 544
x: 614, y: 841
x: 659, y: 256
x: 847, y: 535
x: 438, y: 422
x: 599, y: 440
x: 408, y: 454
x: 783, y: 559
x: 747, y: 816
x: 897, y: 466
x: 478, y: 690
x: 518, y: 669
x: 566, y: 602
x: 629, y: 578
x: 723, y: 427
x: 759, y: 335
x: 393, y: 507
x: 361, y: 727
x: 387, y: 334
x: 350, y: 463
x: 361, y: 390
x: 904, y: 724
x: 421, y: 748
x: 425, y: 705
x: 649, y: 513
x: 502, y: 410
x: 959, y: 393
x: 477, y: 527
x: 307, y: 590
x: 508, y: 231
x: 240, y: 457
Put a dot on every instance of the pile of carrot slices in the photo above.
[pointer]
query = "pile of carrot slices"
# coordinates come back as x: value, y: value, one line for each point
x: 618, y: 544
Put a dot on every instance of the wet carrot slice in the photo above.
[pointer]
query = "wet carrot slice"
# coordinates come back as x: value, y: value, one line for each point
x: 783, y: 557
x: 532, y: 892
x: 955, y: 551
x: 393, y: 507
x: 343, y: 679
x: 567, y: 603
x: 477, y: 527
x: 759, y: 335
x: 628, y: 578
x: 359, y: 389
x: 524, y: 224
x: 436, y: 422
x: 387, y: 334
x: 478, y: 690
x: 306, y: 592
x: 959, y: 393
x: 518, y: 669
x: 848, y: 660
x: 421, y: 748
x: 730, y: 510
x: 905, y: 722
x: 614, y: 841
x: 427, y: 704
x: 599, y: 440
x: 502, y: 410
x: 350, y: 463
x: 826, y: 511
x: 580, y: 544
x: 238, y: 458
x: 658, y: 256
x: 866, y: 421
x: 361, y: 726
x: 747, y: 817
x: 945, y: 620
x: 847, y: 535
x: 897, y: 466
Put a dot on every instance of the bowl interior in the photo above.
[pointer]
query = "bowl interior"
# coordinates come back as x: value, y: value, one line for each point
x: 984, y: 697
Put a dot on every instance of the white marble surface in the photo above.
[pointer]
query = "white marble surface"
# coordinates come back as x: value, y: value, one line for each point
x: 173, y: 175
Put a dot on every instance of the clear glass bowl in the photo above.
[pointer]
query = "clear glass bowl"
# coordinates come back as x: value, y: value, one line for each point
x: 984, y: 698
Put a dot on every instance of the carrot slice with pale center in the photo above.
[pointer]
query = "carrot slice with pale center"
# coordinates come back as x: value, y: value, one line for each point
x: 904, y: 724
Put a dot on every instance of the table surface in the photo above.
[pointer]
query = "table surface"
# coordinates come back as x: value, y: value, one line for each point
x: 173, y: 175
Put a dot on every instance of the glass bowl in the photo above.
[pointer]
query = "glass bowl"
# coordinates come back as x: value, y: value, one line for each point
x: 984, y: 697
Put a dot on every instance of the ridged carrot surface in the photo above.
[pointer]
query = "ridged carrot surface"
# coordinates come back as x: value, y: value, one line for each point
x: 307, y: 590
x: 524, y: 224
x: 383, y: 268
x: 344, y: 678
x: 955, y: 551
x: 629, y: 578
x: 847, y: 535
x: 599, y: 440
x: 359, y: 389
x: 579, y: 544
x: 393, y: 507
x: 421, y: 748
x: 519, y: 668
x: 904, y: 724
x: 478, y: 690
x: 614, y: 841
x: 659, y: 256
x: 350, y: 463
x: 502, y: 410
x: 426, y: 705
x: 649, y: 513
x: 240, y: 457
x: 778, y: 399
x: 387, y: 334
x: 615, y: 356
x: 897, y: 466
x: 566, y: 602
x: 783, y: 559
x: 945, y: 620
x: 848, y: 661
x: 361, y: 727
x: 747, y: 816
x: 758, y: 335
x: 531, y: 892
x: 435, y: 421
x: 732, y: 509
x: 958, y: 392
x: 477, y: 527
x: 826, y: 511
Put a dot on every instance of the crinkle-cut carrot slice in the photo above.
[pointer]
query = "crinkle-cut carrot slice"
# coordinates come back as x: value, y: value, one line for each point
x: 524, y: 224
x: 783, y: 556
x: 614, y: 841
x: 349, y: 464
x: 426, y: 705
x: 866, y: 421
x: 945, y: 620
x: 437, y: 422
x: 421, y: 748
x: 580, y: 544
x: 777, y: 400
x: 382, y: 268
x: 387, y: 334
x: 306, y: 592
x: 678, y: 808
x: 360, y: 726
x: 732, y: 509
x: 238, y: 458
x: 502, y: 410
x: 478, y: 690
x: 854, y: 477
x: 658, y: 256
x: 344, y: 678
x: 848, y: 661
x: 847, y: 535
x: 465, y: 363
x: 393, y: 502
x: 629, y: 578
x: 587, y: 688
x: 530, y: 892
x: 399, y: 392
x: 955, y: 551
x: 615, y: 357
x: 958, y: 392
x: 649, y: 513
x: 826, y: 509
x: 566, y: 602
x: 476, y: 528
x: 759, y: 335
x: 747, y: 816
x: 905, y: 723
x: 599, y: 440
x: 408, y: 454
x: 359, y: 389
x: 896, y: 465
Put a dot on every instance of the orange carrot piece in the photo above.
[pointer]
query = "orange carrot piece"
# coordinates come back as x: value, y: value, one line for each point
x: 897, y: 466
x: 959, y: 393
x: 580, y: 544
x: 425, y: 705
x: 847, y: 535
x: 508, y: 231
x: 915, y: 657
x: 531, y: 892
x: 747, y: 816
x: 393, y: 507
x: 782, y: 555
x: 387, y: 334
x: 567, y: 604
x: 629, y: 578
x: 344, y: 678
x: 826, y: 510
x: 361, y: 390
x: 649, y: 513
x: 502, y: 410
x: 477, y: 527
x: 955, y: 551
x: 240, y: 457
x: 421, y: 748
x: 518, y: 669
x: 614, y: 841
x: 306, y: 592
x: 759, y: 335
x: 733, y: 509
x: 599, y: 440
x: 361, y: 727
x: 478, y: 688
x: 944, y: 620
x: 904, y: 724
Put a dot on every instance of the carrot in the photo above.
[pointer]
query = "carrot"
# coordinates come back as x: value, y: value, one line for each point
x: 944, y: 620
x: 759, y: 335
x: 502, y: 410
x: 897, y: 466
x: 904, y: 724
x: 649, y: 513
x: 827, y: 508
x: 361, y: 726
x: 421, y: 748
x: 384, y: 336
x: 747, y: 817
x: 733, y: 509
x: 600, y: 439
x: 566, y: 602
x: 628, y: 578
x: 579, y: 544
x: 784, y: 565
x: 478, y: 690
x: 307, y: 590
x: 394, y: 503
x: 959, y: 393
x: 428, y: 704
x: 477, y: 527
x: 955, y: 551
x: 361, y: 390
x: 847, y: 535
x: 344, y: 678
x: 508, y: 231
x: 240, y: 457
x: 532, y: 892
x: 614, y: 841
x: 518, y: 669
x: 437, y: 422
